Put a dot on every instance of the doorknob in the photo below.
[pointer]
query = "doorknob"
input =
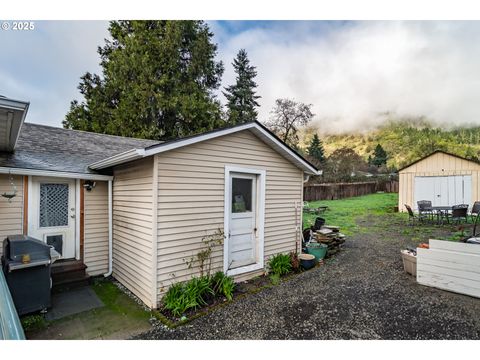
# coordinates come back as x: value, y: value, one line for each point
x: 72, y: 216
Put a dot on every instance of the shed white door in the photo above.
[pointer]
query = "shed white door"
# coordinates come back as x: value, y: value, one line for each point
x: 242, y: 230
x: 443, y: 190
x: 52, y: 213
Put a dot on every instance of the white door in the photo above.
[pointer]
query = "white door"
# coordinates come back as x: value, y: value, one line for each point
x: 242, y: 230
x: 443, y: 190
x: 52, y: 213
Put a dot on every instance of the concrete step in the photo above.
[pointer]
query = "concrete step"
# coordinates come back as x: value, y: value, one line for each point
x: 68, y: 274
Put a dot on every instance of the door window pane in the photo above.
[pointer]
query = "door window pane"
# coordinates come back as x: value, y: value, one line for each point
x: 241, y: 195
x: 53, y: 205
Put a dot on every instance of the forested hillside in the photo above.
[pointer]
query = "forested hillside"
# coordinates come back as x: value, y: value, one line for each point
x: 406, y: 141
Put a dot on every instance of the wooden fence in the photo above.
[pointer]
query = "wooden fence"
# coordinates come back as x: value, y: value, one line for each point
x: 312, y: 192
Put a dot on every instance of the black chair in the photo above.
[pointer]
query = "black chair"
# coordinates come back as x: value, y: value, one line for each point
x: 425, y: 208
x: 459, y: 213
x: 475, y: 210
x: 412, y: 218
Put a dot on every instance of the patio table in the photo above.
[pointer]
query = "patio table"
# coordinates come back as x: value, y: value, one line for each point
x: 441, y: 212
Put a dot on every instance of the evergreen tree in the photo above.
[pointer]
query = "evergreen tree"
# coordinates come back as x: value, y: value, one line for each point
x: 158, y: 81
x: 315, y: 149
x: 379, y: 156
x: 242, y: 101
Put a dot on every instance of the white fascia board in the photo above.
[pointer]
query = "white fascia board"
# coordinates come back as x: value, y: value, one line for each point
x: 118, y: 159
x: 61, y: 174
x: 139, y: 153
x: 14, y: 104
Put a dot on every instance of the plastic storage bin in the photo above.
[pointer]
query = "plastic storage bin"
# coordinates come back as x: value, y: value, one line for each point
x: 409, y: 262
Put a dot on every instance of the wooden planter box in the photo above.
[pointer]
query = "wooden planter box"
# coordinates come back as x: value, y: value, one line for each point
x: 450, y: 266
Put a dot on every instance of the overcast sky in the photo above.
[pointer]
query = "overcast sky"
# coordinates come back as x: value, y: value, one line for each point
x: 351, y: 72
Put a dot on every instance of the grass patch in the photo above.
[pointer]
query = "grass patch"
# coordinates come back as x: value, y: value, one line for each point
x: 344, y: 212
x: 120, y: 318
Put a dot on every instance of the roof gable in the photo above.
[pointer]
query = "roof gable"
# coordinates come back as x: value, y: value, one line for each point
x: 440, y: 161
x: 255, y: 127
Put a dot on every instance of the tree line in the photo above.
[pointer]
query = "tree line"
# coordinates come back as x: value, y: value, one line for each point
x: 159, y: 81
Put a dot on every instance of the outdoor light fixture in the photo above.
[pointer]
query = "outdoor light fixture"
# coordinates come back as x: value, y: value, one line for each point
x: 89, y: 185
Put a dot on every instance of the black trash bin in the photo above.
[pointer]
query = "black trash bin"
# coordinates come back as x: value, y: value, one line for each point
x: 26, y: 264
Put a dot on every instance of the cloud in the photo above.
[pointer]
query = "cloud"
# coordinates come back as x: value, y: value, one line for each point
x: 44, y: 65
x: 352, y: 73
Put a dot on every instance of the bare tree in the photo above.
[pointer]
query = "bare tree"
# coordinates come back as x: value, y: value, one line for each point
x: 287, y: 116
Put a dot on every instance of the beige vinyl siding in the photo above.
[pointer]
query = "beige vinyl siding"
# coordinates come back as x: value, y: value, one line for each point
x: 96, y: 229
x: 132, y: 227
x: 438, y: 164
x: 11, y: 213
x: 191, y: 200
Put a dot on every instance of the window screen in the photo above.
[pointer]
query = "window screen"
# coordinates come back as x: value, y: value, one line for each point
x: 53, y: 205
x: 241, y: 195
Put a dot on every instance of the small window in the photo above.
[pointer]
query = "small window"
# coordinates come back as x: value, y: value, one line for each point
x: 53, y: 205
x: 241, y: 195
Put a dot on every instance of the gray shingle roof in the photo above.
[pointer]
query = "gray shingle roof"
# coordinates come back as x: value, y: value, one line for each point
x: 43, y: 147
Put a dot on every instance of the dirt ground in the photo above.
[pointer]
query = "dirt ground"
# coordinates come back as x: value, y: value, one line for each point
x: 362, y: 293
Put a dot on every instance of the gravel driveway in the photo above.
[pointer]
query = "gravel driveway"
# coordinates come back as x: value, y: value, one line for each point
x: 362, y: 293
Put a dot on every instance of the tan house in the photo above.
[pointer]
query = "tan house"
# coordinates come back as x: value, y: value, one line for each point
x: 138, y: 209
x: 444, y: 179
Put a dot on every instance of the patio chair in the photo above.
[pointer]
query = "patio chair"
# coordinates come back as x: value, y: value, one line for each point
x: 475, y: 210
x: 425, y: 208
x: 412, y: 218
x: 459, y: 213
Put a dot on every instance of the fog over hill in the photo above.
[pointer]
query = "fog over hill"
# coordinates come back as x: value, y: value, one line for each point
x: 354, y: 72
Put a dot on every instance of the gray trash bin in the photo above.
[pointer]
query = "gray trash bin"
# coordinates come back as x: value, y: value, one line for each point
x: 29, y: 281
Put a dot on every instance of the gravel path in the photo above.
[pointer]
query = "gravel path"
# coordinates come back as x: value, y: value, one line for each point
x: 362, y: 293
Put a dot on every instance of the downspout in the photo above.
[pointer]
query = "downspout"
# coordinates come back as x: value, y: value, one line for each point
x: 110, y: 230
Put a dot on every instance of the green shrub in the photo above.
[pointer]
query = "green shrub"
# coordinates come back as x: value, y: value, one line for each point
x: 280, y: 264
x: 33, y: 322
x: 223, y: 285
x: 195, y: 292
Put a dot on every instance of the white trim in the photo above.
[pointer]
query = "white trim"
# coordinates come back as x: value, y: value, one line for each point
x: 121, y: 158
x: 48, y: 173
x: 14, y: 104
x: 110, y: 230
x: 77, y: 219
x: 157, y: 149
x: 261, y: 181
x: 155, y: 233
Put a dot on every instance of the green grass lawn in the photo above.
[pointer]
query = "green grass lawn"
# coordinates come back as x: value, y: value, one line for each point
x: 344, y: 212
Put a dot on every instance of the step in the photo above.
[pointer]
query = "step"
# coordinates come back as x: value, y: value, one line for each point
x: 68, y: 274
x: 70, y: 284
x: 65, y: 266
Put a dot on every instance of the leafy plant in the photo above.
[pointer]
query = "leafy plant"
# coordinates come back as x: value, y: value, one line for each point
x: 223, y: 284
x: 181, y: 297
x: 204, y: 257
x: 33, y: 322
x: 280, y: 264
x: 197, y: 289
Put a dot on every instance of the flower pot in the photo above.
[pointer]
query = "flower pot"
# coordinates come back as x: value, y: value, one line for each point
x: 307, y: 261
x: 318, y: 250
